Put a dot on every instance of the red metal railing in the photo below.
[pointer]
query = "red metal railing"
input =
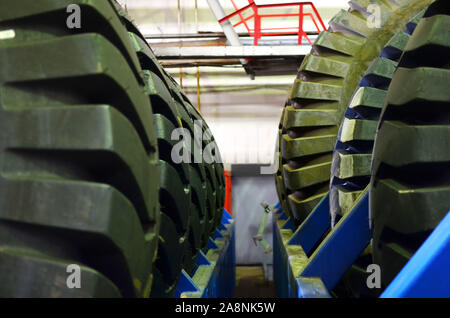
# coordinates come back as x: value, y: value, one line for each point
x: 257, y: 32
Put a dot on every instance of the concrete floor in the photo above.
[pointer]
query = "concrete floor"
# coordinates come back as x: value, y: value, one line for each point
x: 251, y: 283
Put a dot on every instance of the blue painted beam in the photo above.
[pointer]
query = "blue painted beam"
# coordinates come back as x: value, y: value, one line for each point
x: 289, y: 225
x: 314, y: 227
x: 281, y: 266
x: 211, y: 245
x: 280, y: 214
x: 217, y: 234
x: 342, y: 246
x: 221, y: 280
x: 426, y: 273
x: 277, y: 206
x: 185, y: 285
x: 201, y: 260
x: 226, y: 217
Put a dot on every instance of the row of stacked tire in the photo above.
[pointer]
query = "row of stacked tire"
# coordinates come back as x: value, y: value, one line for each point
x: 369, y: 111
x: 87, y: 179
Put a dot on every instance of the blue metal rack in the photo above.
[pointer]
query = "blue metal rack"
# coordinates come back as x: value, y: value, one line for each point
x: 215, y: 272
x: 302, y: 259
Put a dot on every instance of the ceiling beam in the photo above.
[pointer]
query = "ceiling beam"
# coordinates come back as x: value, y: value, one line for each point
x: 230, y: 52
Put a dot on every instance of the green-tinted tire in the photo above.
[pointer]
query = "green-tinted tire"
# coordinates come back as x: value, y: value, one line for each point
x: 175, y: 189
x: 79, y: 174
x: 410, y: 191
x: 352, y: 156
x: 325, y: 83
x: 198, y: 234
x: 211, y: 162
x: 350, y: 169
x: 209, y: 195
x: 279, y: 175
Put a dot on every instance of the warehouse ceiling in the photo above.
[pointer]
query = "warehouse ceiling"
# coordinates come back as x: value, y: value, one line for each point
x: 242, y: 113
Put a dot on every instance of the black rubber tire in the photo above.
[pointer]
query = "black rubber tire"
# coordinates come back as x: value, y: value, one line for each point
x: 352, y: 156
x: 177, y: 218
x: 350, y: 169
x: 198, y: 237
x: 325, y: 83
x: 410, y: 192
x: 79, y: 175
x: 210, y: 188
x: 218, y: 175
x: 209, y: 191
x: 214, y: 179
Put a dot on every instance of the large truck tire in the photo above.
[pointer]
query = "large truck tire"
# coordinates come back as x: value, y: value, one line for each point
x: 325, y: 83
x: 175, y: 194
x: 79, y: 176
x: 350, y: 169
x: 410, y: 192
x: 352, y: 156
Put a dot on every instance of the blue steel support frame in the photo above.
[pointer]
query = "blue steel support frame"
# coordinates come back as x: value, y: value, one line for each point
x: 313, y: 228
x: 283, y: 276
x: 222, y: 271
x: 341, y: 247
x: 425, y: 275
